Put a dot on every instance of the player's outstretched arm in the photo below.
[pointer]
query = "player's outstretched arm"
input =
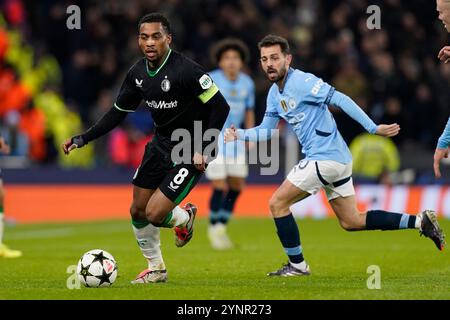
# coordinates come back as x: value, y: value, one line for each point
x: 354, y: 111
x: 106, y: 123
x: 442, y: 149
x: 260, y: 133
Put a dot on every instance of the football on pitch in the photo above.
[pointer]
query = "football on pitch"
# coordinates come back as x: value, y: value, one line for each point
x: 97, y: 268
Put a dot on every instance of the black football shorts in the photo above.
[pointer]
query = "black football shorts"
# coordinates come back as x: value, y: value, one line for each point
x: 158, y: 171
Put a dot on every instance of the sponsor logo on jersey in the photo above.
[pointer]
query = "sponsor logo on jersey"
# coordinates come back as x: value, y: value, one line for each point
x: 162, y: 104
x: 165, y: 85
x: 139, y: 83
x: 315, y: 90
x: 205, y: 82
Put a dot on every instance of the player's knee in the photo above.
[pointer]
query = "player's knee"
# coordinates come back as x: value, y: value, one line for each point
x: 237, y: 185
x: 154, y: 217
x: 276, y: 207
x: 137, y: 213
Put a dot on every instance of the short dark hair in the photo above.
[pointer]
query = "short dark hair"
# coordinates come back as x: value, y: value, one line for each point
x: 229, y: 44
x: 272, y: 40
x: 155, y: 17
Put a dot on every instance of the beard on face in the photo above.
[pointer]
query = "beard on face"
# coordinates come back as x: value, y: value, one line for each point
x: 280, y: 74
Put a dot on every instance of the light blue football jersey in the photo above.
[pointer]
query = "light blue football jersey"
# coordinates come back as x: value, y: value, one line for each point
x: 303, y: 103
x: 240, y: 95
x: 444, y: 140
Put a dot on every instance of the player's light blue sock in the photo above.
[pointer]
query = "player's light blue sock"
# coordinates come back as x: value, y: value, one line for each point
x: 385, y: 220
x: 228, y: 205
x: 289, y: 235
x: 214, y: 205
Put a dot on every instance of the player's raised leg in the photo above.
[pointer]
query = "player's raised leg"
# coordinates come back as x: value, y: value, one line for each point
x: 164, y: 213
x: 353, y: 220
x: 147, y: 237
x: 162, y: 210
x: 5, y: 251
x: 287, y: 229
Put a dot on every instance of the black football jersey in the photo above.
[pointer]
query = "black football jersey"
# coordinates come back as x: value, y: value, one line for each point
x: 175, y: 93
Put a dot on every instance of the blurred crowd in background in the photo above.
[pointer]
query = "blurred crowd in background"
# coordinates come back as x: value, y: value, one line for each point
x: 55, y: 82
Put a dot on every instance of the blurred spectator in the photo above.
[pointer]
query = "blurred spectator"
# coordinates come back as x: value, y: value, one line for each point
x: 13, y: 93
x: 127, y: 146
x: 32, y: 123
x: 374, y: 158
x: 16, y: 139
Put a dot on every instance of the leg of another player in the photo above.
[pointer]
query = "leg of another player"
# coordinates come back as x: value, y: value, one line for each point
x: 353, y: 220
x: 147, y: 235
x: 236, y: 184
x: 215, y: 202
x: 218, y: 230
x: 4, y: 250
x: 287, y: 229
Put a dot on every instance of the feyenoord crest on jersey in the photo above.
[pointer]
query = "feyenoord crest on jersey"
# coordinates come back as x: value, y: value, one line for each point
x: 165, y: 85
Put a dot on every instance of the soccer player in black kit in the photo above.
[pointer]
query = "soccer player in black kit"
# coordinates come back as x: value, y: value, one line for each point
x: 178, y: 92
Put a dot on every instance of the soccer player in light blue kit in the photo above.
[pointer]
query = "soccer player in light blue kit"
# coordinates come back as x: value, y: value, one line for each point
x: 302, y: 100
x: 442, y: 149
x: 443, y: 8
x: 229, y: 170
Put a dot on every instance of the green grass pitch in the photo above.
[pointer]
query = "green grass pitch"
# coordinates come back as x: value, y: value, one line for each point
x: 411, y: 267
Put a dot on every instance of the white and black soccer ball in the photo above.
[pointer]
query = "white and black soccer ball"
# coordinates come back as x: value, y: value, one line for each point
x: 97, y: 268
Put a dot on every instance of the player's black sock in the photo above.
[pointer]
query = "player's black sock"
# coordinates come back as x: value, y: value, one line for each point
x: 214, y: 205
x: 385, y: 220
x: 289, y: 235
x: 228, y: 205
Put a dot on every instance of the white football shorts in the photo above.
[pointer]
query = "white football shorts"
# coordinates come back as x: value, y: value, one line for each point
x: 334, y: 177
x: 223, y: 167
